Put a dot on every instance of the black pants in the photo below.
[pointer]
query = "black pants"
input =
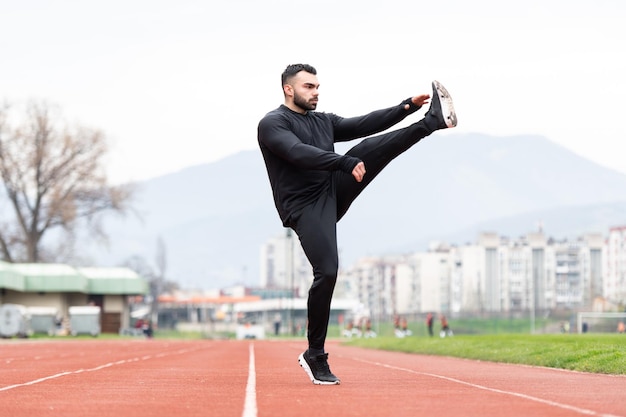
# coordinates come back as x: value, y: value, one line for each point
x: 316, y: 224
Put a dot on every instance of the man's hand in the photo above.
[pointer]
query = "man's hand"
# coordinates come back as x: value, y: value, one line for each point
x: 358, y: 172
x: 419, y: 101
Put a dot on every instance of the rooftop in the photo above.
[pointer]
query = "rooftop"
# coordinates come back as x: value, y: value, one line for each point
x: 65, y: 278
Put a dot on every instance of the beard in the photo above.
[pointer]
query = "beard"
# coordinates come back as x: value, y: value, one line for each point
x: 303, y: 104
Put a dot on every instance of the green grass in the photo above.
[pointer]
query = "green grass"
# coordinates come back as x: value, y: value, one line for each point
x: 467, y: 326
x: 596, y: 353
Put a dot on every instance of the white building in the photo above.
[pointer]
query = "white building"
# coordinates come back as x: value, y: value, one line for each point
x: 407, y: 289
x: 370, y: 277
x: 433, y: 278
x: 284, y: 264
x: 614, y: 285
x: 495, y: 274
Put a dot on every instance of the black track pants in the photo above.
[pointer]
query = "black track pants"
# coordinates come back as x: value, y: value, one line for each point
x: 316, y: 224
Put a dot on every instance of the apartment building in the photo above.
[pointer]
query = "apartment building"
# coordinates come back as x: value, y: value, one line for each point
x: 495, y: 274
x: 614, y: 284
x: 284, y: 265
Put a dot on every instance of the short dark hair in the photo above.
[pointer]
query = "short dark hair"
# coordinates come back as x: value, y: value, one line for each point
x: 293, y: 69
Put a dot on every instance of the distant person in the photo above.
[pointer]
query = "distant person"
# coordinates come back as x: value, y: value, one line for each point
x: 369, y: 332
x: 404, y: 323
x: 313, y: 186
x: 402, y: 330
x: 277, y: 322
x: 621, y: 328
x: 347, y: 332
x: 445, y: 327
x: 429, y: 323
x: 146, y: 327
x: 396, y: 322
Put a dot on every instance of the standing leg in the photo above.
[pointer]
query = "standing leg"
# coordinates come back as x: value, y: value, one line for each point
x: 316, y: 227
x: 375, y: 152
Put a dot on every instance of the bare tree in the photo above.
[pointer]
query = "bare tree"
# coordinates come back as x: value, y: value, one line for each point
x: 54, y: 179
x: 158, y: 284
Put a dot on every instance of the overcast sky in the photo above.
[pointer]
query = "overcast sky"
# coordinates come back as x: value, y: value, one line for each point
x: 180, y: 83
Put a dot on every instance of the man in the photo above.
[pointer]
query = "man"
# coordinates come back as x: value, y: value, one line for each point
x: 429, y: 323
x: 313, y: 186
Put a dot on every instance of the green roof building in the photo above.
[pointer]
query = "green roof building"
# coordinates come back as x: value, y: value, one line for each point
x: 62, y: 286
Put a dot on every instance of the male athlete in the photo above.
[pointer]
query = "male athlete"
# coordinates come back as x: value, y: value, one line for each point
x: 313, y: 186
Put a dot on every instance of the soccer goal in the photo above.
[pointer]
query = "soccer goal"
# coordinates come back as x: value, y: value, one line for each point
x: 599, y: 322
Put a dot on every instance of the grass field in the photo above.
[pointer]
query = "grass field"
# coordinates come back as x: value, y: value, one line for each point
x: 470, y: 326
x: 588, y: 353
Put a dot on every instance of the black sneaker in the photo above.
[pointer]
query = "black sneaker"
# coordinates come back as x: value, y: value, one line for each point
x: 317, y: 369
x: 441, y: 114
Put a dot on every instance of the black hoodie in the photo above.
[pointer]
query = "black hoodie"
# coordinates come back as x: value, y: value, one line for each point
x: 299, y: 150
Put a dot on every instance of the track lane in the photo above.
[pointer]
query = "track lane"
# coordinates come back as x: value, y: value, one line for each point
x: 211, y: 378
x: 147, y: 378
x: 376, y: 383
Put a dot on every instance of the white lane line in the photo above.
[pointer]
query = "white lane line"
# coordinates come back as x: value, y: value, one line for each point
x: 512, y: 393
x: 249, y: 408
x: 96, y: 368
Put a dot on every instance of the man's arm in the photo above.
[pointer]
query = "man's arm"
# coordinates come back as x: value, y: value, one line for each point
x: 275, y: 135
x: 376, y: 121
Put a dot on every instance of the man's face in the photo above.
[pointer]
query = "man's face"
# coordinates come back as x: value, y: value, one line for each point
x: 304, y: 88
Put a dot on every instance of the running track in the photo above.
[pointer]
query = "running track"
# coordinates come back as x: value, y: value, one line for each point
x: 262, y: 378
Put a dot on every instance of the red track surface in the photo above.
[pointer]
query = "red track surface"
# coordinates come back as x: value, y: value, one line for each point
x: 215, y: 378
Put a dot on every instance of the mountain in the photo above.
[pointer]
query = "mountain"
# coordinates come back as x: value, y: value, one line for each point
x: 214, y: 217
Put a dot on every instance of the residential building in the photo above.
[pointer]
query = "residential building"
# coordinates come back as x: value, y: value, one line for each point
x: 284, y: 265
x: 495, y: 274
x: 614, y: 284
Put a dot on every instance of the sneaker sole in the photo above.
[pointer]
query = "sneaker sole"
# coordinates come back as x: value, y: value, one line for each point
x: 308, y: 371
x: 447, y: 107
